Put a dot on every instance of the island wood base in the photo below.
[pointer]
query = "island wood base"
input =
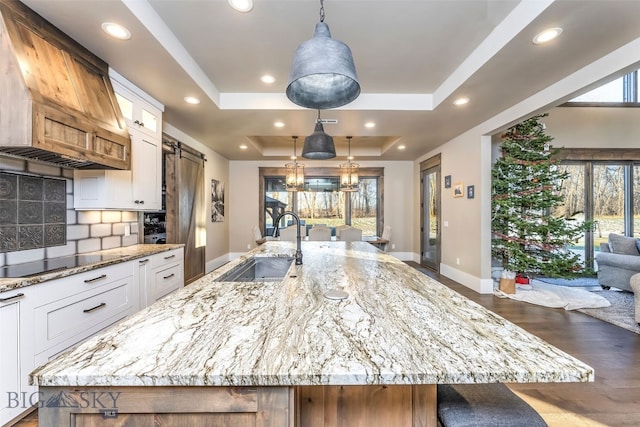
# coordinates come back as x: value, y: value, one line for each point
x: 303, y: 406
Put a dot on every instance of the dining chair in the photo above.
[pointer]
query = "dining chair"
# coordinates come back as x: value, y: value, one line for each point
x: 320, y: 233
x: 339, y: 229
x: 351, y: 234
x: 288, y: 234
x: 257, y: 235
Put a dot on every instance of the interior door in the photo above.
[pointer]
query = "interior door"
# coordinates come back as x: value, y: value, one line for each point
x: 430, y: 217
x: 186, y: 217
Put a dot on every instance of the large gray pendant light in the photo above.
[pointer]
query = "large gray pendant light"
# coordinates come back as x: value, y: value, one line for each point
x: 318, y: 145
x: 323, y: 74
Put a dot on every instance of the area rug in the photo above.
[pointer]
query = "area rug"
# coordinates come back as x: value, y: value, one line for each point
x: 554, y: 296
x: 620, y: 313
x: 580, y: 282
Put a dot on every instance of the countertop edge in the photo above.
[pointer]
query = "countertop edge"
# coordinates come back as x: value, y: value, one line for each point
x: 128, y: 253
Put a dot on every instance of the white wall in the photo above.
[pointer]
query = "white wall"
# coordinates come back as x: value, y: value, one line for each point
x: 468, y: 158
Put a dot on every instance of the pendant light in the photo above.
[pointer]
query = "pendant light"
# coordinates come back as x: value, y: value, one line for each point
x: 318, y: 145
x: 323, y: 74
x: 294, y: 177
x: 349, y: 173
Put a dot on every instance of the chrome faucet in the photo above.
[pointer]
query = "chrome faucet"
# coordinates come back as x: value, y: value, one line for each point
x: 298, y: 238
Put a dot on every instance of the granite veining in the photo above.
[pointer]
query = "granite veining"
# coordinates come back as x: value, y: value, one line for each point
x: 397, y: 326
x: 107, y: 257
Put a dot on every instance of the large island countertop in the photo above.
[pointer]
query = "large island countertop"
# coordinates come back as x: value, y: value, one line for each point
x: 398, y: 326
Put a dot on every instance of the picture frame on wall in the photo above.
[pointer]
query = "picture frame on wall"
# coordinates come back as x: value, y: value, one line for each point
x: 470, y: 191
x: 458, y: 189
x: 447, y: 181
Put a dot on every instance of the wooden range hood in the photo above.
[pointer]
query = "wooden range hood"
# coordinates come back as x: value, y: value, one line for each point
x: 57, y: 103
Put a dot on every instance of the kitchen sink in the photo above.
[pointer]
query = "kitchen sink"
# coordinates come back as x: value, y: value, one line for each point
x: 258, y: 269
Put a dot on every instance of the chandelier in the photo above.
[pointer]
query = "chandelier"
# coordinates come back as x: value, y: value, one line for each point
x: 294, y: 176
x: 349, y: 173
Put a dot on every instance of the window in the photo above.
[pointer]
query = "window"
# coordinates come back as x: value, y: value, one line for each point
x: 623, y: 90
x: 322, y: 202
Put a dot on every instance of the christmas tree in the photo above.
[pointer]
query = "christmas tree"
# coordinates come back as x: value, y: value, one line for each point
x: 526, y: 184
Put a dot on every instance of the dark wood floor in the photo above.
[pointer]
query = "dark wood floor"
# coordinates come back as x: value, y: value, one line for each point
x: 614, y: 353
x: 612, y: 400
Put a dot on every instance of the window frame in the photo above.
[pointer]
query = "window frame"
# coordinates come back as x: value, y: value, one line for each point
x: 280, y: 172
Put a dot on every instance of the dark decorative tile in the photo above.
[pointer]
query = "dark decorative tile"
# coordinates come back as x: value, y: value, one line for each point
x: 8, y: 186
x: 30, y: 188
x: 55, y: 234
x: 55, y: 190
x: 30, y: 236
x: 33, y: 212
x: 8, y: 212
x: 8, y: 238
x: 54, y: 212
x: 30, y: 212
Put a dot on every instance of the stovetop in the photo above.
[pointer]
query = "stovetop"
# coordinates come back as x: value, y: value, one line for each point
x: 35, y: 268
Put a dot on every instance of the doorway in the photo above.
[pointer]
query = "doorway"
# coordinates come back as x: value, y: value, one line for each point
x: 430, y: 213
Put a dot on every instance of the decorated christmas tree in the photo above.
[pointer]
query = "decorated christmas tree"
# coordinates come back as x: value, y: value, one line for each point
x: 526, y: 184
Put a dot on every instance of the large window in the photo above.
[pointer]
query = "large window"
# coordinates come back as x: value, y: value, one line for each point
x: 604, y: 192
x: 322, y: 202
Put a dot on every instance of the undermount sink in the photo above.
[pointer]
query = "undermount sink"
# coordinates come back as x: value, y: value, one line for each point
x: 258, y: 269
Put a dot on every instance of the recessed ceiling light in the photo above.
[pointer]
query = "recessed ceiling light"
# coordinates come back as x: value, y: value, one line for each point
x: 268, y: 79
x: 243, y: 147
x: 461, y: 101
x: 241, y: 5
x: 401, y: 147
x: 279, y: 124
x: 192, y: 100
x: 370, y: 125
x: 547, y: 35
x: 116, y: 30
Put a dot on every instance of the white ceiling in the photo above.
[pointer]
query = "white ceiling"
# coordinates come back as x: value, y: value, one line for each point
x: 413, y: 58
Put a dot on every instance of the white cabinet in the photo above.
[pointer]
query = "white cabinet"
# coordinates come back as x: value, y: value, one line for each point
x: 16, y: 356
x: 71, y: 309
x: 159, y: 275
x: 141, y: 187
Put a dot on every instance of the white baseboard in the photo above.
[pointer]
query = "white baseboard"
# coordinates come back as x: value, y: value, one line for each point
x: 482, y: 286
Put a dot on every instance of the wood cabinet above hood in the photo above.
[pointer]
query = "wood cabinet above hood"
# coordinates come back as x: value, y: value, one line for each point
x: 57, y: 102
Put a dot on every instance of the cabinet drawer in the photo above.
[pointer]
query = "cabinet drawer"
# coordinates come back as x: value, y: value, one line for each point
x: 75, y: 317
x: 166, y: 281
x: 163, y: 259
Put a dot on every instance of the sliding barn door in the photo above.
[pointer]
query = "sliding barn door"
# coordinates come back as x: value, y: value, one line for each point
x: 185, y: 206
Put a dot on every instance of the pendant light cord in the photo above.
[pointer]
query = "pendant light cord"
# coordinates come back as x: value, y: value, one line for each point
x: 321, y: 10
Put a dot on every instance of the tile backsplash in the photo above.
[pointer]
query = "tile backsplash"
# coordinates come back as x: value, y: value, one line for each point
x: 85, y: 231
x: 32, y: 212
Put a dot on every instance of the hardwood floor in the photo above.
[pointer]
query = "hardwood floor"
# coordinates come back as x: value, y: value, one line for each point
x: 612, y: 400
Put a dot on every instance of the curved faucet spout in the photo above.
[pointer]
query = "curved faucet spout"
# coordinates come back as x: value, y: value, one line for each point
x: 298, y: 237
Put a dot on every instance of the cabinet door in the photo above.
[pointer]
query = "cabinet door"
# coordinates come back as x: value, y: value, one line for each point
x: 146, y: 172
x: 138, y: 113
x: 14, y: 362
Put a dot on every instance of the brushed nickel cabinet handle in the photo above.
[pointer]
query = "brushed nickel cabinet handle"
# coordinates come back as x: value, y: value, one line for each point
x: 12, y: 297
x: 89, y: 310
x: 144, y: 261
x: 169, y: 276
x: 95, y: 278
x: 170, y: 256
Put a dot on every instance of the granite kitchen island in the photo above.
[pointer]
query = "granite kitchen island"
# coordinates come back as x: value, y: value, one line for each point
x: 279, y: 353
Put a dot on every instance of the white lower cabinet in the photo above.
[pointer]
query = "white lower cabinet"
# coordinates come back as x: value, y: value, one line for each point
x: 86, y: 303
x: 15, y: 364
x: 159, y: 275
x: 39, y: 322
